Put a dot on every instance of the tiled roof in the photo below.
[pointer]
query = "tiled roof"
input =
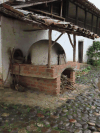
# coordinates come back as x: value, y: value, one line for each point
x: 46, y: 22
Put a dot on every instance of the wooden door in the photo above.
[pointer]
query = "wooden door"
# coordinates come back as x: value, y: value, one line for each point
x: 80, y: 52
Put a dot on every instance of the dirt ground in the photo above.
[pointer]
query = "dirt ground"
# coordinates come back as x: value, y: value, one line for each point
x: 35, y: 98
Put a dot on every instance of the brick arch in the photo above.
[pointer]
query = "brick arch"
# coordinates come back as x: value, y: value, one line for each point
x: 69, y: 71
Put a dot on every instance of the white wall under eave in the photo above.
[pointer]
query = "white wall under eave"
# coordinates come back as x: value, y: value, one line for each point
x: 64, y: 42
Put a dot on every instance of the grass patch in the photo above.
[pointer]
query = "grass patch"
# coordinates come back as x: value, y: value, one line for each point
x: 15, y: 107
x: 27, y: 131
x: 39, y: 129
x: 48, y: 125
x: 56, y: 128
x: 9, y: 130
x: 28, y: 109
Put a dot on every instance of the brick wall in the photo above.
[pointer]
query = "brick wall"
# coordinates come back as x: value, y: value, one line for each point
x: 50, y: 86
x: 43, y: 78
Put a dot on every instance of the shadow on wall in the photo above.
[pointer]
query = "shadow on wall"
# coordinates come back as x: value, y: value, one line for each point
x: 38, y: 54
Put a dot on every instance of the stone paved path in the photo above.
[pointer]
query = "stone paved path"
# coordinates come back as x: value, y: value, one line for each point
x: 76, y: 115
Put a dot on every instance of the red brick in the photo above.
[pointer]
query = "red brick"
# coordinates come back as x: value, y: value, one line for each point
x: 41, y: 69
x: 49, y: 70
x: 33, y: 85
x: 26, y: 68
x: 38, y: 73
x: 36, y: 83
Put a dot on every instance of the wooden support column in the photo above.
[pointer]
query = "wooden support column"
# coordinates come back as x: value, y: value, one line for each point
x: 97, y: 26
x: 67, y: 10
x: 49, y: 48
x: 74, y: 48
x: 85, y: 19
x: 92, y: 23
x: 51, y: 8
x: 76, y: 14
x: 61, y: 8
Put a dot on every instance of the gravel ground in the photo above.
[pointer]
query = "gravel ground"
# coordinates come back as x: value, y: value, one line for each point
x: 79, y: 115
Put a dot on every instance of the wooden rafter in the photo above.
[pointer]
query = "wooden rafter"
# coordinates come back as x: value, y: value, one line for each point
x: 70, y: 40
x: 57, y: 38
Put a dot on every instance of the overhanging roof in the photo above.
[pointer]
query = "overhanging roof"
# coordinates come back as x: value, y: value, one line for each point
x: 44, y: 22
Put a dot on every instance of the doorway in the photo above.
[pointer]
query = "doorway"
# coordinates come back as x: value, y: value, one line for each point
x: 80, y: 51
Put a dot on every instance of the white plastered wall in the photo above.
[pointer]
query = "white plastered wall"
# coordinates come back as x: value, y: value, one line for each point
x: 39, y: 53
x: 13, y: 35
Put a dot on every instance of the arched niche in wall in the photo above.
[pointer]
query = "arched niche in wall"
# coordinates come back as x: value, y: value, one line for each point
x: 38, y: 54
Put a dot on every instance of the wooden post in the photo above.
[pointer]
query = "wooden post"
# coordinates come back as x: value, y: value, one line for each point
x: 67, y: 10
x: 51, y: 8
x: 74, y: 48
x: 49, y: 48
x: 92, y: 23
x: 85, y: 19
x: 61, y: 8
x: 97, y: 26
x: 76, y: 14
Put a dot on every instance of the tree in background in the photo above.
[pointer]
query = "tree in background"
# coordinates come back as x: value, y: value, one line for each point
x: 93, y: 54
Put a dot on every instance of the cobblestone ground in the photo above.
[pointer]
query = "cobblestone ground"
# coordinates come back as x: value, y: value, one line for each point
x: 79, y: 115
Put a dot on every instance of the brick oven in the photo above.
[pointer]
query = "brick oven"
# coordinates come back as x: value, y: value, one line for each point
x: 37, y: 74
x: 43, y: 78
